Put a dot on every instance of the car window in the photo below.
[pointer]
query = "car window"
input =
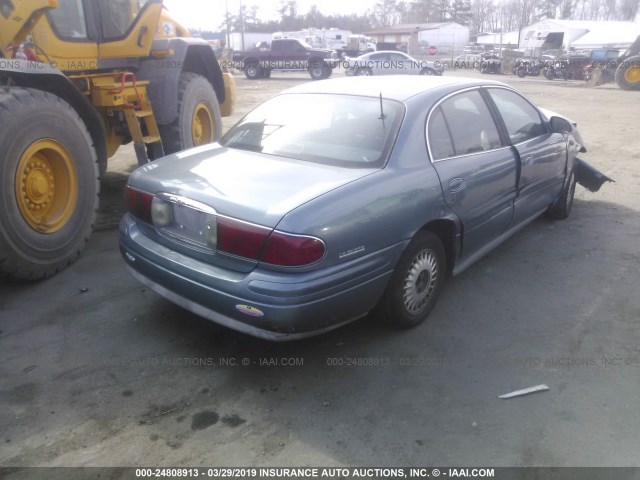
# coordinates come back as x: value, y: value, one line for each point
x: 397, y: 57
x: 470, y: 123
x: 522, y: 120
x: 341, y: 130
x: 379, y: 56
x: 439, y: 137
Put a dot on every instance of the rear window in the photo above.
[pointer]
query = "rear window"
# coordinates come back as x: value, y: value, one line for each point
x: 339, y: 130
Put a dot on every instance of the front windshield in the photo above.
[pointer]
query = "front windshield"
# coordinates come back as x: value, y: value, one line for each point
x: 341, y: 130
x: 305, y: 44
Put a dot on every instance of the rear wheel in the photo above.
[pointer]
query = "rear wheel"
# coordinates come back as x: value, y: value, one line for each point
x: 266, y: 73
x: 198, y: 121
x: 48, y: 184
x: 521, y: 72
x: 364, y: 72
x: 316, y: 71
x: 427, y: 71
x: 628, y: 74
x: 415, y: 284
x: 253, y: 71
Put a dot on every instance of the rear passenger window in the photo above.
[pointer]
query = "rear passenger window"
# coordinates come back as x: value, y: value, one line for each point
x: 522, y: 120
x: 469, y: 122
x: 439, y: 138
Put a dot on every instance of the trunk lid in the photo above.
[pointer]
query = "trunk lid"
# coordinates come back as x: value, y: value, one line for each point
x: 248, y: 186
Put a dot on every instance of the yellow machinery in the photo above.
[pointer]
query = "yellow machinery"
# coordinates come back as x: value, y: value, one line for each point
x: 78, y: 79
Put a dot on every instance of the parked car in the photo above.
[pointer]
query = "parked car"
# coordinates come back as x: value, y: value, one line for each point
x: 467, y: 61
x: 390, y: 63
x: 294, y: 224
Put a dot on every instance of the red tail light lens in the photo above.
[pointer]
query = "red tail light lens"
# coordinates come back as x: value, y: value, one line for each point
x: 241, y: 239
x: 260, y: 243
x: 289, y: 250
x: 139, y: 204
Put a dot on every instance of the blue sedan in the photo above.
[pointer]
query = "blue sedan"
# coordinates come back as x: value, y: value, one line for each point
x: 339, y: 198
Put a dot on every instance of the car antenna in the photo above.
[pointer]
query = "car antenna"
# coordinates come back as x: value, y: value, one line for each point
x: 382, y: 115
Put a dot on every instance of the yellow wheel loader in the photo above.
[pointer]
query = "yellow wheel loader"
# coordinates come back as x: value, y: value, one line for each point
x: 628, y: 71
x: 78, y: 79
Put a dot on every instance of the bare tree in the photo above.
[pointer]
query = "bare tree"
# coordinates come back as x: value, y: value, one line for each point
x: 629, y: 10
x: 481, y: 12
x: 385, y: 13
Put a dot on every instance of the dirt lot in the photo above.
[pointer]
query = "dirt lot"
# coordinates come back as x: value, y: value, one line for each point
x: 97, y: 371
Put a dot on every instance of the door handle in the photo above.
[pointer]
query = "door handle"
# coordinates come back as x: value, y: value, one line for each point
x: 456, y: 185
x: 141, y: 34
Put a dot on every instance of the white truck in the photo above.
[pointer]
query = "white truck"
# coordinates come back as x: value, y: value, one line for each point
x: 357, y: 45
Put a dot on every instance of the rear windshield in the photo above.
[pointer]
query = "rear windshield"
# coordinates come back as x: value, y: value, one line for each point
x: 340, y: 130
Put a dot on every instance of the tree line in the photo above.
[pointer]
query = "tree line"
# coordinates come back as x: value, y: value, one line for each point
x: 479, y: 15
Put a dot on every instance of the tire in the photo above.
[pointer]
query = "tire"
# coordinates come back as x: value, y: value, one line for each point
x: 364, y: 72
x: 548, y: 74
x: 427, y: 71
x: 422, y: 265
x: 628, y: 74
x: 316, y: 70
x: 45, y: 220
x: 198, y: 121
x: 561, y: 208
x: 253, y: 71
x: 521, y: 72
x: 266, y: 73
x: 326, y: 72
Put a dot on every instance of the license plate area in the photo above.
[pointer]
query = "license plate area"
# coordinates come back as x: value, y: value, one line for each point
x: 192, y: 227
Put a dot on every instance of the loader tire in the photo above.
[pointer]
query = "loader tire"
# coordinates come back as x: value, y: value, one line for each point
x: 628, y: 74
x: 198, y: 121
x: 49, y: 184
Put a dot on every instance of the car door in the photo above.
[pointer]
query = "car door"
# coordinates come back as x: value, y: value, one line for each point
x: 477, y: 171
x: 378, y: 63
x: 399, y: 64
x: 542, y: 154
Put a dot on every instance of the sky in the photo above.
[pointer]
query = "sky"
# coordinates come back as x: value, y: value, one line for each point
x: 209, y: 14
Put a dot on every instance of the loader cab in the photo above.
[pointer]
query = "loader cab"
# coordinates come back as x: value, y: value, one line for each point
x: 79, y: 32
x: 95, y: 20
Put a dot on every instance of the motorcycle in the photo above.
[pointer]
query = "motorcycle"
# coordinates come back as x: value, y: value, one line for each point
x: 600, y: 74
x: 554, y: 70
x: 490, y: 63
x: 524, y: 67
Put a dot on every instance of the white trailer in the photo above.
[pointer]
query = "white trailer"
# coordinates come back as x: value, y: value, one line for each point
x: 250, y: 40
x: 331, y: 38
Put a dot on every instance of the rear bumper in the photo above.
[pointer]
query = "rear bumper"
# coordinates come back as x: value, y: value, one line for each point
x: 265, y: 304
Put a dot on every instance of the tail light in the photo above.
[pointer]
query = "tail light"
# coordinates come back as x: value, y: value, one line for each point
x: 233, y: 236
x: 260, y: 243
x: 240, y: 238
x: 292, y: 250
x: 139, y: 204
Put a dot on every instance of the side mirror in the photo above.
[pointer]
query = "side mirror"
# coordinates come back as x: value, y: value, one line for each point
x: 560, y: 125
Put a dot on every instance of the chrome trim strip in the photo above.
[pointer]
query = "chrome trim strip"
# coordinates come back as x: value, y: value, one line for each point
x: 186, y: 202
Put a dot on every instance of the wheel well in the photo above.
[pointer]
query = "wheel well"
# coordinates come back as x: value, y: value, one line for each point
x: 445, y: 230
x: 201, y: 59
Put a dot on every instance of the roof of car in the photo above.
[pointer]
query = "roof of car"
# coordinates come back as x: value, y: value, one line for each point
x: 394, y: 87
